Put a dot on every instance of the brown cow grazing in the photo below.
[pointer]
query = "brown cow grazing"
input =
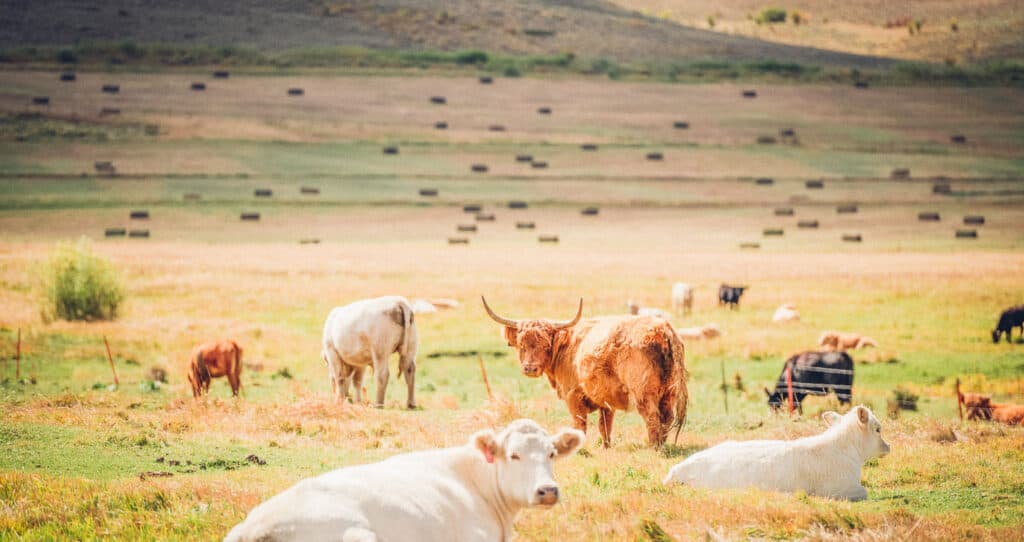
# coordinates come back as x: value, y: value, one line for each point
x: 981, y: 407
x: 607, y: 363
x: 835, y: 340
x: 214, y: 359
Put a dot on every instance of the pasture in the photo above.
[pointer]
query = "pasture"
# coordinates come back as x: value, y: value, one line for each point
x: 77, y: 458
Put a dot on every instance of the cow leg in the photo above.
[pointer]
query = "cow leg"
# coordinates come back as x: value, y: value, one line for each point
x: 380, y: 369
x: 357, y: 383
x: 648, y: 410
x: 607, y: 416
x: 339, y: 373
x: 407, y: 368
x: 579, y: 409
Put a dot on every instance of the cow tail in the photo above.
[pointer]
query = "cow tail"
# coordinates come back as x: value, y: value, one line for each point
x: 677, y: 352
x: 238, y: 364
x: 204, y: 372
x: 408, y: 318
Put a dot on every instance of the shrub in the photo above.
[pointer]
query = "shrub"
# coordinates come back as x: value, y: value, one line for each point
x: 67, y: 56
x: 79, y: 285
x: 772, y: 15
x: 471, y: 57
x: 796, y: 17
x: 711, y: 21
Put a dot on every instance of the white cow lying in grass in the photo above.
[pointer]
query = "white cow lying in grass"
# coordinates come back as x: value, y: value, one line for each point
x: 468, y: 493
x: 825, y: 465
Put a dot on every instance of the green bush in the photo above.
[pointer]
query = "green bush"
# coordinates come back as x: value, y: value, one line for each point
x: 772, y: 15
x: 79, y: 285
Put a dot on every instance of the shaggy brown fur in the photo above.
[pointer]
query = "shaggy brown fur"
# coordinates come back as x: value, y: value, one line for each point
x: 212, y: 360
x: 981, y: 407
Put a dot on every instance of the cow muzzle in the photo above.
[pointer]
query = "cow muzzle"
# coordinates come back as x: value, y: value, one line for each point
x: 547, y: 495
x: 531, y: 371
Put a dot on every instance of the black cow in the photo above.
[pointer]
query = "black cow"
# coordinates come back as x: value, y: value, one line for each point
x: 730, y: 295
x: 814, y: 373
x: 1011, y: 318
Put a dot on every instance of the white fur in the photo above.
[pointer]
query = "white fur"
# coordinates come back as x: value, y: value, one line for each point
x: 682, y: 298
x: 786, y: 313
x: 825, y: 465
x: 436, y: 495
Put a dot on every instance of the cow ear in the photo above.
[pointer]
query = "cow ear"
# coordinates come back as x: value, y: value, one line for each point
x: 567, y: 441
x: 862, y: 414
x: 486, y: 443
x: 511, y: 334
x: 830, y: 418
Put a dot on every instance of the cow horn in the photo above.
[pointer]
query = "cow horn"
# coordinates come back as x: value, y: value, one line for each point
x: 500, y: 319
x: 569, y: 323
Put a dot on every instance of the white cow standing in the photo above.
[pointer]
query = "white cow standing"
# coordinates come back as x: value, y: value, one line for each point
x: 366, y: 333
x: 825, y: 465
x: 682, y: 298
x: 468, y: 493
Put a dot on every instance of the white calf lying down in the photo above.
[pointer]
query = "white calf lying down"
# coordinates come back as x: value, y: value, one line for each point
x: 697, y: 333
x: 786, y: 313
x: 825, y: 465
x: 470, y: 493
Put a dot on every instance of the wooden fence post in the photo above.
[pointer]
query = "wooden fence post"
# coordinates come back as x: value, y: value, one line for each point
x: 789, y: 386
x: 110, y: 358
x: 725, y: 388
x: 17, y: 358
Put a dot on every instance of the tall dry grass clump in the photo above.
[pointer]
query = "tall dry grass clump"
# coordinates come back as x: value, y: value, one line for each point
x: 79, y: 285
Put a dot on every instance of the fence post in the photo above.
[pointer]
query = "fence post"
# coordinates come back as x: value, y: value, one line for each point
x: 789, y: 386
x: 725, y: 388
x: 17, y: 358
x: 110, y: 358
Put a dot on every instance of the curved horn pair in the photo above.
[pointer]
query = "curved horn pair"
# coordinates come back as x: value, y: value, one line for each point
x: 515, y: 323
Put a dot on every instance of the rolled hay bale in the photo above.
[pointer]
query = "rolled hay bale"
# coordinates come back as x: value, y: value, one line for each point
x: 485, y: 217
x: 966, y: 234
x: 441, y: 125
x: 589, y: 211
x: 140, y: 214
x: 496, y: 128
x: 221, y: 74
x: 655, y: 156
x: 681, y: 125
x: 807, y: 224
x: 103, y: 166
x: 773, y: 232
x: 478, y: 168
x: 524, y: 158
x: 151, y: 129
x: 41, y: 100
x: 139, y: 234
x: 465, y: 227
x: 783, y: 211
x: 309, y: 241
x: 928, y: 216
x: 114, y: 232
x: 766, y: 140
x: 544, y: 110
x: 111, y: 89
x: 108, y: 111
x: 517, y: 204
x: 525, y: 225
x: 547, y: 238
x: 250, y: 216
x: 472, y: 208
x: 486, y: 79
x: 536, y: 164
x: 846, y: 208
x: 815, y: 184
x: 263, y: 192
x: 764, y: 181
x: 750, y: 94
x: 296, y: 92
x: 959, y: 139
x: 439, y: 100
x: 199, y: 87
x: 860, y: 84
x: 942, y: 188
x: 787, y: 132
x: 458, y: 240
x: 588, y: 147
x: 749, y: 245
x: 390, y: 150
x: 974, y: 220
x: 852, y: 238
x: 309, y: 190
x: 428, y: 192
x: 900, y: 173
x: 68, y: 77
x: 191, y: 196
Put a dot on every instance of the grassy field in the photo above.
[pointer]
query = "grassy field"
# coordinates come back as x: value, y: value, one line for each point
x: 75, y: 453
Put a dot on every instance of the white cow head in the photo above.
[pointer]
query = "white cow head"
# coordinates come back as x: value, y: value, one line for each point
x: 522, y: 454
x: 863, y: 427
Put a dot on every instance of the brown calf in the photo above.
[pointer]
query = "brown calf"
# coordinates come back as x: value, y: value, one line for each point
x: 212, y: 360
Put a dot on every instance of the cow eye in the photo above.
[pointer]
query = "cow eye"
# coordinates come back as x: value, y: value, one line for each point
x: 551, y: 455
x: 515, y: 457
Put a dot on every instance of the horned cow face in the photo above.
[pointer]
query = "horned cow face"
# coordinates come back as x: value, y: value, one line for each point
x: 534, y: 341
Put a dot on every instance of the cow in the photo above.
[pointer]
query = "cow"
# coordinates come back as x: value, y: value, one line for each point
x: 814, y: 373
x: 606, y: 363
x: 682, y: 298
x: 981, y: 407
x: 469, y: 493
x: 786, y: 313
x: 730, y: 295
x: 366, y: 333
x: 697, y: 333
x: 212, y: 360
x: 1011, y: 318
x: 825, y: 465
x: 636, y: 310
x: 835, y: 340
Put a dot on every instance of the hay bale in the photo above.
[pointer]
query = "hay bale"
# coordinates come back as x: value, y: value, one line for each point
x: 107, y: 111
x: 764, y: 181
x: 815, y: 184
x: 524, y: 158
x: 103, y: 166
x: 784, y: 211
x: 539, y: 165
x: 589, y: 211
x: 139, y: 234
x: 111, y: 89
x: 544, y: 110
x: 471, y: 208
x: 191, y: 196
x: 139, y: 215
x: 485, y: 217
x: 263, y: 192
x: 974, y: 220
x: 41, y: 100
x: 309, y: 241
x: 309, y: 190
x: 773, y: 232
x: 860, y: 84
x: 750, y: 245
x: 959, y: 139
x: 525, y: 225
x: 296, y: 92
x: 807, y: 224
x: 466, y: 227
x: 428, y: 192
x: 221, y: 74
x: 496, y: 128
x: 517, y: 204
x: 655, y: 156
x: 486, y: 79
x: 151, y: 129
x: 852, y: 238
x: 750, y: 94
x: 439, y: 100
x: 250, y: 216
x: 198, y: 86
x: 114, y: 232
x: 900, y: 173
x: 458, y: 240
x: 846, y: 208
x: 390, y: 150
x: 441, y: 125
x: 547, y: 238
x: 588, y: 147
x: 928, y: 216
x: 787, y: 132
x: 681, y: 125
x: 479, y: 168
x: 942, y: 188
x: 966, y: 234
x: 766, y: 140
x: 68, y: 77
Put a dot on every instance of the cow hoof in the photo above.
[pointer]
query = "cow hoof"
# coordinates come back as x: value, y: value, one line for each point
x: 412, y: 406
x: 378, y: 405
